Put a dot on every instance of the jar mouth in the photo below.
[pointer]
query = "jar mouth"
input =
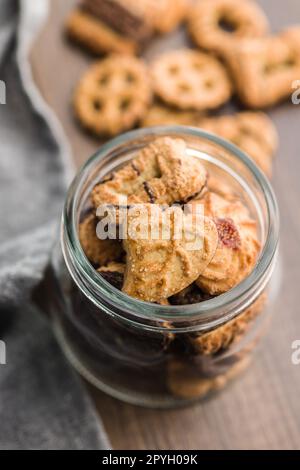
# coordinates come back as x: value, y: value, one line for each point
x: 213, y: 310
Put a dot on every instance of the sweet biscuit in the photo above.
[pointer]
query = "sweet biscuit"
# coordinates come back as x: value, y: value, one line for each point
x: 217, y: 25
x: 99, y: 252
x: 253, y: 132
x: 113, y: 95
x: 238, y: 247
x: 264, y: 69
x: 160, y: 266
x: 162, y: 173
x: 189, y: 79
x: 96, y: 36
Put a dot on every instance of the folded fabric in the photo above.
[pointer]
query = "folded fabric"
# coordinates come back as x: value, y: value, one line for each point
x: 43, y: 402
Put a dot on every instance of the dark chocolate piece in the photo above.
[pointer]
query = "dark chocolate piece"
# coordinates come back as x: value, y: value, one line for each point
x: 121, y: 19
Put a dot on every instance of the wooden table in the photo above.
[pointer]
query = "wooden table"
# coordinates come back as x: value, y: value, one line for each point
x: 262, y: 409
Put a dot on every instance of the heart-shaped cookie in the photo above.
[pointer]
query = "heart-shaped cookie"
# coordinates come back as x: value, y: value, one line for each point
x: 166, y: 256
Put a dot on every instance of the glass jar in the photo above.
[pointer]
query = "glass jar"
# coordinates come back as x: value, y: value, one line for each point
x: 156, y: 355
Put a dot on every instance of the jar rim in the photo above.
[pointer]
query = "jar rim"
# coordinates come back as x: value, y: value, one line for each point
x: 206, y: 310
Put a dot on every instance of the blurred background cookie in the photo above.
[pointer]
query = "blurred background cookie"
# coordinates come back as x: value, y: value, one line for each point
x: 216, y: 25
x: 91, y: 33
x: 189, y: 79
x: 253, y: 132
x: 264, y: 69
x: 113, y: 95
x: 166, y: 15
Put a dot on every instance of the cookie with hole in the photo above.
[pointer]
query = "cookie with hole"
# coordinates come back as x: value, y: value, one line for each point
x: 217, y: 25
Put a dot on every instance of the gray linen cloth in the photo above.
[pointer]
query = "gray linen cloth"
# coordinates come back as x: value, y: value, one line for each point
x: 43, y: 404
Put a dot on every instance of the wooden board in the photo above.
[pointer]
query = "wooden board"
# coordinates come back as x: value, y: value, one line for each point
x: 262, y: 409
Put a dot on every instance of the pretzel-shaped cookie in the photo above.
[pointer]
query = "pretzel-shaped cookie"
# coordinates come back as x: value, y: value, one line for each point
x: 217, y: 25
x: 113, y: 95
x: 189, y: 79
x: 162, y: 173
x: 264, y: 70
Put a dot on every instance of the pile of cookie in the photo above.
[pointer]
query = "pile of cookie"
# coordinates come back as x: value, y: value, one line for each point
x: 169, y: 271
x: 235, y: 55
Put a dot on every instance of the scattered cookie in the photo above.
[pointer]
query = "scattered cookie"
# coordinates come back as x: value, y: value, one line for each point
x: 166, y: 15
x: 162, y: 173
x: 99, y: 252
x: 221, y: 338
x: 264, y: 69
x: 189, y: 79
x: 253, y: 132
x: 114, y: 274
x: 159, y: 115
x: 157, y: 266
x: 113, y: 95
x: 238, y: 247
x: 217, y: 25
x: 97, y: 37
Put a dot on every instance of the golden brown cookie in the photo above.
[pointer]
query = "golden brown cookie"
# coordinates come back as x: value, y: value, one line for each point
x: 221, y: 338
x: 96, y: 36
x: 159, y: 115
x: 184, y: 380
x: 189, y: 79
x: 166, y: 15
x: 99, y: 252
x: 158, y: 266
x: 238, y: 247
x: 264, y: 69
x: 113, y: 95
x: 217, y: 25
x: 162, y: 173
x: 253, y: 132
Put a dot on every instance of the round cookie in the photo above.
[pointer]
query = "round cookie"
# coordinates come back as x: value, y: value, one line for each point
x: 113, y: 95
x: 190, y: 79
x: 217, y: 25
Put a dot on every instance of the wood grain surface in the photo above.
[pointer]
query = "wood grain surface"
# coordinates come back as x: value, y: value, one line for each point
x: 262, y: 409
